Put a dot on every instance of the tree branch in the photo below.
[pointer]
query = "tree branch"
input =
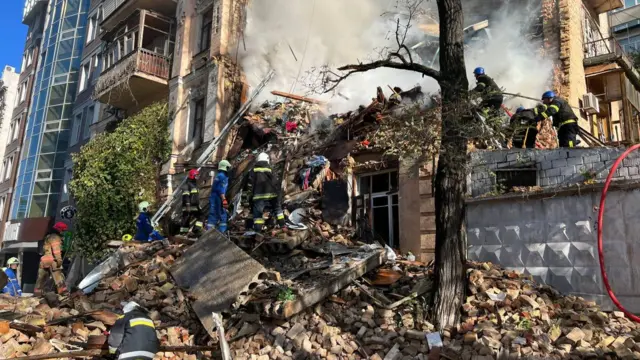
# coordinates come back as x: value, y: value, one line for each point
x: 388, y: 63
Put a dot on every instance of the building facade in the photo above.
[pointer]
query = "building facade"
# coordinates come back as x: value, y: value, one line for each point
x: 625, y: 25
x: 8, y: 91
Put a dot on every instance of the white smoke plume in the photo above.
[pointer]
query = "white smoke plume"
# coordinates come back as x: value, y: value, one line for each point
x: 339, y: 32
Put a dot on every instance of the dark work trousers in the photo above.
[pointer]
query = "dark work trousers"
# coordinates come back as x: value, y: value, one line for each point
x: 258, y: 212
x: 492, y: 103
x: 530, y: 141
x: 567, y: 135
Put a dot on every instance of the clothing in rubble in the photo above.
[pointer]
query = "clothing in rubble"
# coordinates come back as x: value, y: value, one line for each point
x: 13, y: 286
x: 191, y: 212
x: 218, y: 216
x: 564, y: 119
x: 265, y: 194
x: 51, y: 260
x: 133, y: 336
x: 489, y: 91
x: 524, y: 126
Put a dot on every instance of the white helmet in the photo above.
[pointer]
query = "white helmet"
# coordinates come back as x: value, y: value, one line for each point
x: 263, y: 157
x: 130, y: 306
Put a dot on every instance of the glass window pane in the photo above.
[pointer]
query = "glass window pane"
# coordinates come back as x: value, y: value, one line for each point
x: 395, y: 199
x: 57, y: 94
x: 52, y: 205
x: 380, y: 183
x: 364, y: 185
x: 49, y: 142
x: 54, y: 113
x: 46, y: 162
x: 380, y: 201
x: 38, y: 205
x: 381, y: 223
x: 60, y: 159
x: 41, y: 187
x: 394, y: 180
x: 63, y: 67
x: 65, y: 49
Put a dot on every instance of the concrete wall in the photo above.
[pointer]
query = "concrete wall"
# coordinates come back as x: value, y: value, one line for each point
x: 554, y: 168
x: 552, y: 237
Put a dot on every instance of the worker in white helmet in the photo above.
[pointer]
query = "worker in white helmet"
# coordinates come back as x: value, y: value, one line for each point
x: 133, y: 336
x: 265, y: 193
x: 13, y: 285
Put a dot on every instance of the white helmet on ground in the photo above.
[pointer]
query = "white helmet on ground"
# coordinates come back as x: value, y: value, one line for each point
x: 130, y: 306
x: 263, y: 157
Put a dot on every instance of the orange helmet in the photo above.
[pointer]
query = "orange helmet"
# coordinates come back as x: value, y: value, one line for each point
x: 60, y: 226
x: 193, y: 173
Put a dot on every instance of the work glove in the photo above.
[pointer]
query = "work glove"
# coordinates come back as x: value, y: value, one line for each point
x: 225, y: 204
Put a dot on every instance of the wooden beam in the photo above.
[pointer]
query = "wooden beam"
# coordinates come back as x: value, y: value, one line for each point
x: 297, y: 97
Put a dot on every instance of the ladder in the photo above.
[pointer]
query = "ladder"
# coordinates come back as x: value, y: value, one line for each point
x: 212, y: 148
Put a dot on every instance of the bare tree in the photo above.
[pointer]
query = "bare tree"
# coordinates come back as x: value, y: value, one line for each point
x: 456, y: 120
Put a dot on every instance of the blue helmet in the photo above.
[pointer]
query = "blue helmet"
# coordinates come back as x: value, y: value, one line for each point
x: 478, y: 71
x: 548, y: 95
x: 520, y: 109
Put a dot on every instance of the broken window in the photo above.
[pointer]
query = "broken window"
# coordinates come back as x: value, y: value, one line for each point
x: 380, y: 194
x: 205, y: 30
x: 507, y: 179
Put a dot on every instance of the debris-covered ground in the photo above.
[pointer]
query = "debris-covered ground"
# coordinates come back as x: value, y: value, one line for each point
x: 323, y: 289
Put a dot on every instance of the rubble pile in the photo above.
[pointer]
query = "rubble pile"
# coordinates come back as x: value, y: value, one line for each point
x: 32, y: 326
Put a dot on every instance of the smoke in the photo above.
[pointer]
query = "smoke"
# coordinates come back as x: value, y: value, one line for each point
x: 295, y: 36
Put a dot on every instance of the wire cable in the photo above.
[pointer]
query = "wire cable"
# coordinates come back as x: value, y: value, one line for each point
x: 603, y: 270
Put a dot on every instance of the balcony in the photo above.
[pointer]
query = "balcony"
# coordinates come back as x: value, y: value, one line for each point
x: 137, y: 61
x: 603, y: 6
x: 31, y: 8
x: 140, y: 76
x: 115, y: 11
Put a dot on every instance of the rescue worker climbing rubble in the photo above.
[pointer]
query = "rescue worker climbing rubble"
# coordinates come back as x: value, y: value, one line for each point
x: 133, y: 336
x: 564, y: 119
x: 191, y: 212
x: 13, y: 286
x: 51, y: 260
x: 265, y: 193
x: 218, y: 204
x: 488, y: 90
x: 524, y: 126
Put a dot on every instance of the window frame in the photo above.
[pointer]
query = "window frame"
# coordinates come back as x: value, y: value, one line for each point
x: 389, y: 194
x: 206, y: 30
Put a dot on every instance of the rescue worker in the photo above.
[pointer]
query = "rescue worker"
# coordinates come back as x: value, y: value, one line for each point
x: 564, y: 119
x: 13, y: 285
x: 218, y: 204
x: 191, y: 212
x: 265, y: 192
x: 524, y: 125
x: 143, y: 222
x: 133, y: 336
x: 51, y: 260
x: 488, y: 90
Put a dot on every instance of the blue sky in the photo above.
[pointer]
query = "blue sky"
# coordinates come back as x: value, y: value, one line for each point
x: 12, y: 33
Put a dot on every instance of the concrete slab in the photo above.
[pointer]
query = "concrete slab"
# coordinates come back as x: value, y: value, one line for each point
x: 216, y: 273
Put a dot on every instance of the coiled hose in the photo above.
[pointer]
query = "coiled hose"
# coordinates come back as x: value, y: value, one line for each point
x: 603, y: 198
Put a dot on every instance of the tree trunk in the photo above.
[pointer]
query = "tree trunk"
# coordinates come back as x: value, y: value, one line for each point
x: 451, y: 179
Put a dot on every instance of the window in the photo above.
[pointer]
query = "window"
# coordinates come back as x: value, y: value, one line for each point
x: 65, y: 187
x: 24, y: 62
x: 93, y: 26
x: 30, y: 56
x: 22, y: 92
x: 16, y: 128
x: 380, y: 192
x: 85, y: 74
x: 88, y: 120
x: 198, y: 121
x: 8, y: 168
x: 205, y: 30
x: 75, y: 131
x: 2, y: 203
x: 12, y: 130
x: 216, y: 28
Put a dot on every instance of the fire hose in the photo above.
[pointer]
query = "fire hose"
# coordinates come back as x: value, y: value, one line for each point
x: 603, y: 198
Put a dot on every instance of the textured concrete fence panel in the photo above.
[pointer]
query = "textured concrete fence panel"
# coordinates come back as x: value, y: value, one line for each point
x: 553, y: 237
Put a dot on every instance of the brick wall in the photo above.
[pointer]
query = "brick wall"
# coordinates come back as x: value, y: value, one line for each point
x: 554, y: 168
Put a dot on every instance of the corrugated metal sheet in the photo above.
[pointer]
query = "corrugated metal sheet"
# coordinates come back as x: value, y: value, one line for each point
x: 109, y: 6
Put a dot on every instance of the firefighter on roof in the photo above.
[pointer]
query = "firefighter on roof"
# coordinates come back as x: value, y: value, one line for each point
x: 564, y: 119
x: 524, y: 126
x: 488, y: 90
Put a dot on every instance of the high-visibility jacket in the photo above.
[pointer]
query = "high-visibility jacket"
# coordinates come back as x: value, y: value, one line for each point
x: 13, y: 286
x: 262, y: 180
x: 52, y: 251
x: 133, y: 336
x: 561, y: 111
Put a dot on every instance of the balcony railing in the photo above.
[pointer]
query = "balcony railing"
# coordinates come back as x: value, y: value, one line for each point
x: 603, y: 50
x: 153, y: 64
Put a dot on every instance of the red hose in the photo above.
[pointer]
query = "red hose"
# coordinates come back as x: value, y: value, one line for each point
x: 601, y: 225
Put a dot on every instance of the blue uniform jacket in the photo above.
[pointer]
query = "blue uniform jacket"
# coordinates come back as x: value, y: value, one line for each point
x: 143, y: 223
x: 220, y: 184
x: 13, y: 286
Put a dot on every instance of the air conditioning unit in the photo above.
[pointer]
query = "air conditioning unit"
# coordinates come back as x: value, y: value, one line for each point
x: 590, y: 104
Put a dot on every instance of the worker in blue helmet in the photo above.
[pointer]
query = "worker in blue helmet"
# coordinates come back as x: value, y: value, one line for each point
x: 564, y: 119
x: 488, y: 90
x: 525, y: 127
